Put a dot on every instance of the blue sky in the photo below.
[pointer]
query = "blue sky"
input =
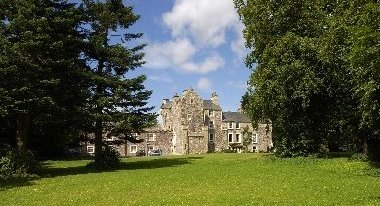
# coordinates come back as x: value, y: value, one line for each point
x: 192, y: 44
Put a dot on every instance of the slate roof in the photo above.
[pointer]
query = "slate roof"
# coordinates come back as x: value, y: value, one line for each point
x: 168, y: 105
x: 207, y: 104
x: 235, y: 117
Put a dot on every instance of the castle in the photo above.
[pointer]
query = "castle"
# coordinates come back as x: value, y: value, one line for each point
x: 191, y: 125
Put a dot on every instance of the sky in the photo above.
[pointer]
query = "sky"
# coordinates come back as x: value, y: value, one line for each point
x: 192, y: 44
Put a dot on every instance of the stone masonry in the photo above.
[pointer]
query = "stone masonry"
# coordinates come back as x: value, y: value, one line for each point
x: 191, y: 125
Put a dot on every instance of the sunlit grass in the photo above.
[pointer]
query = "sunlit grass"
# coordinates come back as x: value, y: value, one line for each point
x: 209, y: 179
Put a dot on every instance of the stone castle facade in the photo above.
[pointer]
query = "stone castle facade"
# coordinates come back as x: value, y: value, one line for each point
x: 191, y: 125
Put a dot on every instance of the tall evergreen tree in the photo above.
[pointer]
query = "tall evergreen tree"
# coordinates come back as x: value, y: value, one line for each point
x: 40, y: 68
x: 117, y: 102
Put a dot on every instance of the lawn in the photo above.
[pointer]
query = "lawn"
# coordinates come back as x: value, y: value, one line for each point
x: 209, y: 179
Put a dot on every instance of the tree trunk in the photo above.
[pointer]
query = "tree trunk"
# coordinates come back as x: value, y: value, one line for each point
x: 23, y: 125
x: 98, y: 139
x: 365, y: 147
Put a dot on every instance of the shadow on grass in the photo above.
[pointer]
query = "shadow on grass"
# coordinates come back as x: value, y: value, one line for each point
x: 50, y: 172
x: 17, y: 182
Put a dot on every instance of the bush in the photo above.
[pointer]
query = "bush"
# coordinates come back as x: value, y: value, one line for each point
x: 16, y: 164
x: 359, y: 157
x: 228, y: 151
x: 6, y: 168
x: 108, y: 159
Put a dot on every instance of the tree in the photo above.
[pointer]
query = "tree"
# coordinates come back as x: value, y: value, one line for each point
x: 364, y: 60
x: 302, y: 81
x: 41, y: 72
x: 118, y: 103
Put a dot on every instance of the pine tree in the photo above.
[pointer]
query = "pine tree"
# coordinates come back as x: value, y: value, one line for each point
x: 118, y: 103
x: 40, y: 67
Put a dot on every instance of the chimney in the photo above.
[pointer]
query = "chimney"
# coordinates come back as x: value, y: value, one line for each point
x: 165, y: 101
x: 214, y: 98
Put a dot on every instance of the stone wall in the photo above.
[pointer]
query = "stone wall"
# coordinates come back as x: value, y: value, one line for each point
x: 162, y: 140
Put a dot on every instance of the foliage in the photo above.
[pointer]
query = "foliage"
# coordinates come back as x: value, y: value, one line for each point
x: 208, y: 179
x: 16, y: 164
x: 6, y: 168
x: 42, y: 77
x: 117, y: 103
x: 228, y: 151
x: 247, y: 137
x: 311, y: 78
x: 107, y: 160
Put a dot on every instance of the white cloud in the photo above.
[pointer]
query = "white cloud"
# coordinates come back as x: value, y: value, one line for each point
x: 204, y: 84
x: 166, y: 54
x: 161, y: 78
x: 205, y: 21
x: 197, y: 27
x: 209, y: 64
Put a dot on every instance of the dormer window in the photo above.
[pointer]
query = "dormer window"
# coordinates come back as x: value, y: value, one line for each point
x: 211, y: 113
x: 230, y: 125
x: 237, y: 125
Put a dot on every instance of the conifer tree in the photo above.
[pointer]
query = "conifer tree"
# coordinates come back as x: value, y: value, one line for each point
x: 118, y: 101
x: 40, y: 67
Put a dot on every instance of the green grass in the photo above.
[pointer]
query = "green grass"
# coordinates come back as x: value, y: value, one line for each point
x: 209, y: 179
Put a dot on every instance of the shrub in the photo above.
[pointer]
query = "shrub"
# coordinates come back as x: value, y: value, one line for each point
x: 107, y: 160
x: 228, y: 151
x: 359, y: 157
x: 18, y: 164
x: 6, y: 168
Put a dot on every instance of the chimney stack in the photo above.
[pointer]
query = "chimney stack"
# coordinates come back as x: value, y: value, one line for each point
x: 214, y: 98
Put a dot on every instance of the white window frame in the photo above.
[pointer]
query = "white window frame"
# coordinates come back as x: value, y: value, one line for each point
x: 254, y: 150
x: 238, y: 135
x: 254, y: 138
x: 131, y: 150
x: 211, y: 126
x: 237, y: 125
x: 211, y: 140
x: 153, y: 137
x: 92, y: 148
x: 211, y: 113
x: 232, y: 137
x: 230, y: 125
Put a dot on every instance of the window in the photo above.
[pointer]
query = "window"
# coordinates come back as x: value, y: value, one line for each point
x: 237, y: 125
x: 254, y: 149
x: 150, y: 148
x: 133, y: 149
x: 237, y: 137
x: 90, y: 149
x: 210, y: 113
x: 229, y: 125
x: 229, y: 137
x: 211, y: 124
x: 254, y: 138
x: 151, y: 137
x: 211, y: 137
x: 171, y: 140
